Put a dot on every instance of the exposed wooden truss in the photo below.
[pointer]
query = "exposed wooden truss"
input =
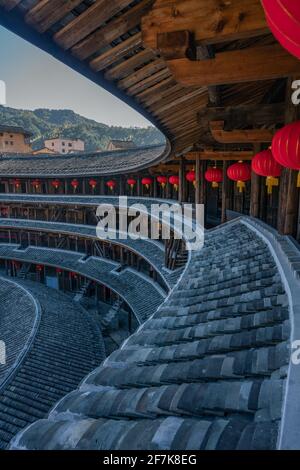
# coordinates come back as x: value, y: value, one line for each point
x: 210, y: 21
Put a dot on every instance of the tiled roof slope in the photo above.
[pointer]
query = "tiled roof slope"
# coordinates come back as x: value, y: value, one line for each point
x: 207, y: 371
x: 17, y: 307
x: 83, y: 164
x: 66, y: 346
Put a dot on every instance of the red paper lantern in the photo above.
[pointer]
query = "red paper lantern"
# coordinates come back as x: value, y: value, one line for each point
x: 74, y: 184
x: 264, y: 164
x: 93, y: 183
x: 111, y: 184
x: 55, y: 184
x: 131, y: 182
x: 174, y: 181
x: 283, y: 17
x: 239, y: 172
x: 147, y: 182
x: 191, y: 177
x: 286, y: 147
x: 36, y: 183
x: 39, y: 267
x: 59, y: 271
x: 214, y: 175
x: 17, y: 183
x: 162, y: 180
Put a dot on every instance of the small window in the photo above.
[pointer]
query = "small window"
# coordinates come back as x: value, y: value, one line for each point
x: 11, y: 136
x: 63, y: 143
x: 11, y: 143
x: 6, y: 142
x: 52, y: 144
x: 1, y: 134
x: 70, y: 145
x: 63, y: 151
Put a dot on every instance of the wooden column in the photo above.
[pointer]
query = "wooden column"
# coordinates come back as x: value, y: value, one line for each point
x: 225, y: 187
x: 199, y: 181
x: 255, y: 188
x: 289, y: 194
x: 181, y: 189
x: 202, y: 183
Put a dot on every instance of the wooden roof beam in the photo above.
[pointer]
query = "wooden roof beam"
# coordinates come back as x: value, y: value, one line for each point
x: 244, y: 65
x: 246, y: 116
x: 238, y: 136
x: 219, y: 155
x: 254, y: 64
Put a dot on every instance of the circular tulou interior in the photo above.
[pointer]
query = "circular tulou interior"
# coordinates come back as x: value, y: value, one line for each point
x: 157, y: 342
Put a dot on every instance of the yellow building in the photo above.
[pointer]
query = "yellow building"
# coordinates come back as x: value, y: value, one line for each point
x: 14, y: 140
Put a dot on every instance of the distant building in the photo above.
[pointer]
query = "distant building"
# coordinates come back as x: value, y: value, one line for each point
x: 14, y: 140
x: 115, y: 144
x: 64, y: 146
x: 43, y: 150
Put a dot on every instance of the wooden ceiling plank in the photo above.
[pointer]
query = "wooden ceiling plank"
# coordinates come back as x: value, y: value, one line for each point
x: 116, y: 53
x: 127, y: 67
x: 9, y: 4
x: 113, y: 30
x: 90, y: 20
x: 155, y: 89
x: 180, y: 100
x: 210, y: 21
x: 244, y: 65
x: 152, y: 80
x: 143, y: 73
x: 48, y: 12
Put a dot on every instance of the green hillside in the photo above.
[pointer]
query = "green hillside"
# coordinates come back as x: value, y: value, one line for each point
x: 46, y: 123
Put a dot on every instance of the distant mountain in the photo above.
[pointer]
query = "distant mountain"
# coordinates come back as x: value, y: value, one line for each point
x: 48, y: 123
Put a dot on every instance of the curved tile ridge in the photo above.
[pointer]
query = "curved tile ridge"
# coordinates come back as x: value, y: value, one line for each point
x: 82, y: 164
x: 206, y: 371
x: 140, y: 292
x: 152, y: 252
x: 18, y: 307
x: 67, y: 345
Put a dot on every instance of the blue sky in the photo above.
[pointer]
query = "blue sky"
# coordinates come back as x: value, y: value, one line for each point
x: 34, y: 79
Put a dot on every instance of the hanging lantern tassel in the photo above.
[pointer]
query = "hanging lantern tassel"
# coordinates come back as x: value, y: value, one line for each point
x: 270, y: 182
x: 215, y: 184
x: 298, y: 180
x: 241, y: 186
